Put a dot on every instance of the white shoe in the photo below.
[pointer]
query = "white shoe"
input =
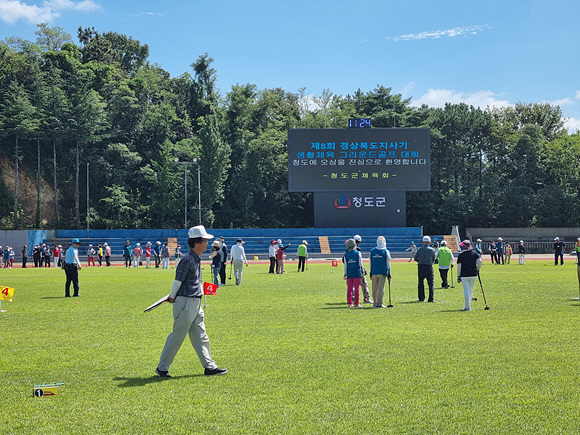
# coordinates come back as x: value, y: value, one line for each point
x: 466, y: 309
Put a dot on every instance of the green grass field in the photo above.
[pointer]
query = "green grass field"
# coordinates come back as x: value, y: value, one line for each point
x: 299, y: 360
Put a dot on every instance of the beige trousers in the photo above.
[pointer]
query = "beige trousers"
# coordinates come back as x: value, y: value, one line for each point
x: 378, y: 283
x: 188, y: 318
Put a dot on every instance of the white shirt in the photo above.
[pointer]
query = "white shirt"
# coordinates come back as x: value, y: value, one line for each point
x: 272, y: 250
x: 238, y: 252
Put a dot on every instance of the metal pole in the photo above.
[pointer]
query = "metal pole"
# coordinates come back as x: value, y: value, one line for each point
x: 87, y: 200
x: 199, y: 191
x: 185, y: 222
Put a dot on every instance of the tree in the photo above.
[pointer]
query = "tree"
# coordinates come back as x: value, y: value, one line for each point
x: 17, y: 118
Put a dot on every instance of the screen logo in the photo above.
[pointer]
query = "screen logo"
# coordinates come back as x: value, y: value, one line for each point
x: 342, y: 202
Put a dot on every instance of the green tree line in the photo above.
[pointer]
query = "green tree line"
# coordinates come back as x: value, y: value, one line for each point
x: 98, y: 114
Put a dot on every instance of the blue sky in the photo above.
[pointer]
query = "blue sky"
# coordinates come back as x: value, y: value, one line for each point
x: 484, y: 53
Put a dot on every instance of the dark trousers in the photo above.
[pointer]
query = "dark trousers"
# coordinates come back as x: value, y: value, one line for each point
x: 100, y: 260
x: 72, y: 276
x: 500, y: 257
x: 272, y: 265
x: 493, y: 257
x: 157, y: 261
x: 556, y: 255
x: 24, y: 260
x: 443, y: 274
x: 301, y: 263
x: 425, y: 272
x: 108, y: 260
x: 223, y: 273
x: 127, y: 261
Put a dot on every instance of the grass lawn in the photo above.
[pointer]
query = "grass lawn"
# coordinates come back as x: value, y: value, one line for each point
x: 299, y: 360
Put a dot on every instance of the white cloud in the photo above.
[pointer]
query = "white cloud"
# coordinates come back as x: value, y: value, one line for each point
x: 578, y: 95
x: 438, y: 98
x: 12, y: 11
x: 572, y: 124
x: 436, y: 34
x: 562, y: 102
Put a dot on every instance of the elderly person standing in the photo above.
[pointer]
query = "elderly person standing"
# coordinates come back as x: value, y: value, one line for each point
x: 468, y: 264
x: 71, y: 268
x: 239, y: 258
x: 302, y: 254
x: 425, y: 257
x: 353, y: 267
x: 380, y: 271
x: 558, y: 251
x: 272, y: 256
x: 446, y: 261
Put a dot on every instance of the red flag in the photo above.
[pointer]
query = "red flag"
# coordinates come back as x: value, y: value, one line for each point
x: 209, y: 288
x: 334, y: 263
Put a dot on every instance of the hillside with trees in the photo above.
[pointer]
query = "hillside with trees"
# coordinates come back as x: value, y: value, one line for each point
x: 101, y: 106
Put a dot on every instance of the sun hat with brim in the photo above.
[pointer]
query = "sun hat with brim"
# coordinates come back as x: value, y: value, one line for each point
x: 239, y: 241
x: 199, y: 232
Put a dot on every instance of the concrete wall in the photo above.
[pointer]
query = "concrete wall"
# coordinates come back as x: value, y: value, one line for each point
x: 16, y: 239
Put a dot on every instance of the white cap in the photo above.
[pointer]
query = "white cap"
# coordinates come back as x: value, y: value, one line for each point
x: 500, y: 239
x: 443, y: 243
x: 279, y: 241
x: 521, y: 241
x: 357, y: 238
x: 198, y: 231
x: 557, y: 238
x: 427, y: 239
x: 478, y: 240
x: 304, y: 242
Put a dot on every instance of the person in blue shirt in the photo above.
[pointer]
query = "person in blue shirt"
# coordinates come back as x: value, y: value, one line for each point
x: 499, y: 246
x: 353, y: 267
x: 127, y: 254
x: 380, y: 270
x: 72, y: 266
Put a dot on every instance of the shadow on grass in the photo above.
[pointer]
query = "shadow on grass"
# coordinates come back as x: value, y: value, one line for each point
x: 335, y: 306
x: 54, y: 297
x: 140, y: 382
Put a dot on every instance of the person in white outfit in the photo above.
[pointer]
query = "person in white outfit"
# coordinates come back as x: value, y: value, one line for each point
x: 239, y: 257
x: 468, y: 264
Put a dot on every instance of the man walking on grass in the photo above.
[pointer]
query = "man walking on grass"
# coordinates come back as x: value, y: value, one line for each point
x: 188, y: 316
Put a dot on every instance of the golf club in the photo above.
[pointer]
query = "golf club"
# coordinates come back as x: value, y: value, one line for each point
x: 452, y: 286
x: 231, y: 265
x: 482, y: 292
x: 390, y: 304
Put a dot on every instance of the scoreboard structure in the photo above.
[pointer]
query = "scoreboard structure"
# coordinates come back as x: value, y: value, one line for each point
x: 355, y: 159
x: 359, y: 175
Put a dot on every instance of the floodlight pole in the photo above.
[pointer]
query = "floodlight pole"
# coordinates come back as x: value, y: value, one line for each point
x: 194, y: 162
x: 87, y: 200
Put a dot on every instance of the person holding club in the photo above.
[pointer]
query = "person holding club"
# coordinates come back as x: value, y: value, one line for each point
x: 468, y: 264
x: 353, y: 272
x: 425, y: 257
x: 380, y: 271
x: 446, y: 261
x: 188, y: 316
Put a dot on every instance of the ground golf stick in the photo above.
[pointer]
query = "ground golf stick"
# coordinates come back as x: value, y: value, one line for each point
x: 452, y: 286
x: 231, y: 265
x: 390, y: 304
x: 482, y: 292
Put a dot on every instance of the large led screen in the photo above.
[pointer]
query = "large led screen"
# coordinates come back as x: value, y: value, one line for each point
x: 372, y: 159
